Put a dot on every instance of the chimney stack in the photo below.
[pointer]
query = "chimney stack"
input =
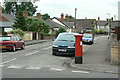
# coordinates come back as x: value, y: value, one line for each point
x: 67, y: 18
x: 39, y: 16
x: 25, y: 13
x: 62, y: 17
x: 98, y: 18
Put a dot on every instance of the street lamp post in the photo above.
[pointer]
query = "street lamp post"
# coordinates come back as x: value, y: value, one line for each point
x: 108, y: 23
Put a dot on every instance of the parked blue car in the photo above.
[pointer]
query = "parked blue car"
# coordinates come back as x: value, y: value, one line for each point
x: 88, y: 38
x: 64, y: 44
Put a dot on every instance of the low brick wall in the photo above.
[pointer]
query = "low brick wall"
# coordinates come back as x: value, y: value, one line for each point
x: 49, y: 37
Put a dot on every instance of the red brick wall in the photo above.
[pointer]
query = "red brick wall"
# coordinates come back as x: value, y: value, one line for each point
x: 39, y: 37
x: 49, y: 37
x: 45, y: 37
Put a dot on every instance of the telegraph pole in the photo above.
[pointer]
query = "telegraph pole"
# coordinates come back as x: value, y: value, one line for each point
x: 75, y: 20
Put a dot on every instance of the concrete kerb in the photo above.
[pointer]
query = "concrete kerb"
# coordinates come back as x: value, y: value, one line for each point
x: 35, y: 42
x: 71, y: 64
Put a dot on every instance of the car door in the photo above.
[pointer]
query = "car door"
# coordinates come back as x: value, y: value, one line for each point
x: 15, y: 41
x: 19, y: 42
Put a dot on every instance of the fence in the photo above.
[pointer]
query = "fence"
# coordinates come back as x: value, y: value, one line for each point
x: 114, y: 48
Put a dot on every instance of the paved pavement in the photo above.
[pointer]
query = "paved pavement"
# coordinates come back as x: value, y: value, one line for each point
x: 94, y: 59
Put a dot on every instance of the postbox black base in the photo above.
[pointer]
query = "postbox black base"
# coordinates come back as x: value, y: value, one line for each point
x: 78, y: 60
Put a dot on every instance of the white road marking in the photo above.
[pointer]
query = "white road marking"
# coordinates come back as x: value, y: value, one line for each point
x: 8, y: 61
x: 31, y: 53
x: 36, y: 68
x: 1, y: 65
x: 47, y: 48
x: 56, y: 69
x: 80, y: 72
x: 14, y: 66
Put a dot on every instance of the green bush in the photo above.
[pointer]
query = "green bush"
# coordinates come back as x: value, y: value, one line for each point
x: 96, y: 31
x: 60, y: 30
x: 18, y: 31
x: 101, y: 31
x: 42, y: 36
x: 46, y: 34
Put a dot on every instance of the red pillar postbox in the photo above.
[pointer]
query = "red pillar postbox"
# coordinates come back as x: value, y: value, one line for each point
x: 78, y: 49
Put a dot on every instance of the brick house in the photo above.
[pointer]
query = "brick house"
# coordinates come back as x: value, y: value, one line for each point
x: 64, y: 22
x: 102, y: 25
x: 83, y: 24
x: 53, y: 26
x: 6, y: 21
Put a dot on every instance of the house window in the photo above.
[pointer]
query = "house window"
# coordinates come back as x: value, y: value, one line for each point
x: 56, y: 29
x: 102, y: 27
x: 8, y: 29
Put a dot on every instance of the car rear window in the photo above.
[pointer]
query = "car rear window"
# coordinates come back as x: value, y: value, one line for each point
x: 5, y: 38
x: 87, y: 35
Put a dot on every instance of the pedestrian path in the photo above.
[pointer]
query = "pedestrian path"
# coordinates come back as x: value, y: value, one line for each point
x: 94, y: 59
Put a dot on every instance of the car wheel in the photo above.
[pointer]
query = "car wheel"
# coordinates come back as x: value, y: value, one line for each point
x: 23, y: 46
x: 14, y: 48
x: 91, y: 43
x: 53, y: 54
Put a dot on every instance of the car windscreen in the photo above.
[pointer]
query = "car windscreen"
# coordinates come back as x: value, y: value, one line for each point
x: 5, y: 38
x: 66, y: 37
x: 87, y: 35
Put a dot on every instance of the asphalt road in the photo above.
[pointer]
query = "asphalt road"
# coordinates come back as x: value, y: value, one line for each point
x: 37, y: 61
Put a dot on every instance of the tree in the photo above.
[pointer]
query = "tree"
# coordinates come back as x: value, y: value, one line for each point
x: 18, y: 31
x: 46, y: 28
x: 70, y: 17
x: 60, y: 30
x: 3, y: 10
x: 45, y: 16
x: 20, y: 22
x: 93, y: 22
x: 37, y: 25
x: 15, y: 7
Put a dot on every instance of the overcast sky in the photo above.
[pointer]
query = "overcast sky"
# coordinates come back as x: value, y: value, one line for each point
x: 92, y: 9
